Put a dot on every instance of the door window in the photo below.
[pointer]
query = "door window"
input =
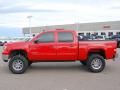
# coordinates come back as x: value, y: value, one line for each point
x: 65, y: 37
x: 46, y: 37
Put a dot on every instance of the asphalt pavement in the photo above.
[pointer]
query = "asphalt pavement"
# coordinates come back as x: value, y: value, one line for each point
x: 61, y: 76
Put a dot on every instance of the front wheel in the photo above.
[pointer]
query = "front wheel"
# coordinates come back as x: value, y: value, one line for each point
x: 96, y: 63
x: 18, y: 64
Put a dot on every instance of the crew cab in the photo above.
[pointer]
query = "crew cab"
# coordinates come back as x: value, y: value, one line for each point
x: 58, y: 45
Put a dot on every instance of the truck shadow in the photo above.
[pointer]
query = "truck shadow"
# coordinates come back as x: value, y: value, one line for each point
x: 66, y: 67
x: 57, y: 67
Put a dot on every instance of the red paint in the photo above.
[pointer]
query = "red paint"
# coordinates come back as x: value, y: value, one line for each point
x: 62, y: 51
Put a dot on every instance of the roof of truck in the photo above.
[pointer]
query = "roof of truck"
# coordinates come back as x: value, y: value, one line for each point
x: 59, y: 30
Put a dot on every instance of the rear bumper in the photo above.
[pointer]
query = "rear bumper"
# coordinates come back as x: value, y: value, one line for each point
x: 5, y: 57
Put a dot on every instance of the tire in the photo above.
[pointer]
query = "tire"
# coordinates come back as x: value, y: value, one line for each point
x: 96, y: 63
x: 18, y: 64
x: 83, y: 63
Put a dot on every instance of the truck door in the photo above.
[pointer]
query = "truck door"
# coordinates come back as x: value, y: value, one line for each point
x: 66, y: 46
x: 44, y: 48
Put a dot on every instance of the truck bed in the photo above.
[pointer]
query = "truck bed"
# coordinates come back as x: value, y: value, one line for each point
x: 107, y: 46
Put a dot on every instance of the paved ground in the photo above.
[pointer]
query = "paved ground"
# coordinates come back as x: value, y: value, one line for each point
x: 61, y: 76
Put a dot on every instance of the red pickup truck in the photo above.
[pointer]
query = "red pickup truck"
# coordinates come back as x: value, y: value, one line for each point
x: 58, y: 45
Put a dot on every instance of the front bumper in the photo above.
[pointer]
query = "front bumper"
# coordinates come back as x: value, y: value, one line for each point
x: 5, y: 57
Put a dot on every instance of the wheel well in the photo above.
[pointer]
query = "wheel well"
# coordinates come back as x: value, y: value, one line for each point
x: 18, y: 52
x: 97, y: 51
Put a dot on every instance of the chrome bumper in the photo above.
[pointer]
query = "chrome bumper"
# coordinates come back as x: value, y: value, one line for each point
x: 5, y: 58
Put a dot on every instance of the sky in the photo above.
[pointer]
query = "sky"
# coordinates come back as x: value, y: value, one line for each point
x: 14, y: 13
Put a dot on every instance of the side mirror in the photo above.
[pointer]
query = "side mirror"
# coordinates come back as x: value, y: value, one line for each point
x: 36, y: 41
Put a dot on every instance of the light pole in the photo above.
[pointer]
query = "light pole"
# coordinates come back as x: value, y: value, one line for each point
x: 29, y: 17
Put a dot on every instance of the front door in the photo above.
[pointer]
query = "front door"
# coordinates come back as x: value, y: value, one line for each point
x: 44, y: 48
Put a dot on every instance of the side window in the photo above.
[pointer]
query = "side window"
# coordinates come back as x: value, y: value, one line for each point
x: 46, y: 37
x: 65, y: 37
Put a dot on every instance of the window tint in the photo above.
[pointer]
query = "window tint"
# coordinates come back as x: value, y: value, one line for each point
x: 47, y: 37
x: 65, y: 37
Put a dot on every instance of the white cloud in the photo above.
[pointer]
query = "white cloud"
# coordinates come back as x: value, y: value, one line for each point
x: 50, y: 13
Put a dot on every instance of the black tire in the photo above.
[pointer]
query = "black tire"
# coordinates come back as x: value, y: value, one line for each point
x: 96, y: 63
x: 18, y: 62
x: 84, y: 63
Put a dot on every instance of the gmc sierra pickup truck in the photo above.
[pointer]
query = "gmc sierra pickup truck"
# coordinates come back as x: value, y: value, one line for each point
x: 58, y: 45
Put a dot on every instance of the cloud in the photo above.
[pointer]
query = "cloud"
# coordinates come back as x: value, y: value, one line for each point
x: 49, y: 12
x: 13, y: 13
x: 115, y: 8
x: 22, y: 9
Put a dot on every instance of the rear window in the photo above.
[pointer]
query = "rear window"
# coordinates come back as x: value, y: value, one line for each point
x: 65, y: 37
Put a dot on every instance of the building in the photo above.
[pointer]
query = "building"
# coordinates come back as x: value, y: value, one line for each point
x: 98, y: 28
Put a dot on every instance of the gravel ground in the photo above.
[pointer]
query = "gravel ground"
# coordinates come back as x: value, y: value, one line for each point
x: 61, y: 76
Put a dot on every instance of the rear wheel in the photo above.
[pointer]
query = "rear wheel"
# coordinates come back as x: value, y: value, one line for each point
x: 18, y: 64
x: 96, y: 63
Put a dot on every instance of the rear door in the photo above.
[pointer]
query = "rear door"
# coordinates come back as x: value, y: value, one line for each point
x: 66, y: 46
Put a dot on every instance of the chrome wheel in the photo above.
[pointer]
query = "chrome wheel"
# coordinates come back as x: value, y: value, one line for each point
x: 96, y: 63
x: 17, y: 65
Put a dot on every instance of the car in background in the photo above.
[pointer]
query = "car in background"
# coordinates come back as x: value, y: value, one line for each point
x: 15, y: 39
x: 117, y: 38
x: 100, y: 37
x: 28, y: 38
x: 1, y: 43
x: 18, y: 39
x: 83, y: 37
